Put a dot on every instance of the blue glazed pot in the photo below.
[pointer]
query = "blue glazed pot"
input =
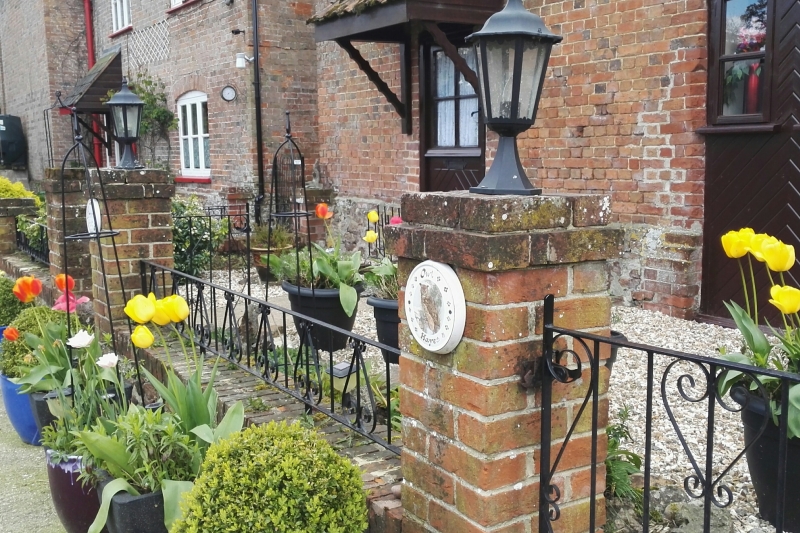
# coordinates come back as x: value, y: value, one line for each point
x: 18, y: 408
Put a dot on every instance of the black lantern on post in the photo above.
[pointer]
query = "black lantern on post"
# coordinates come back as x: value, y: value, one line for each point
x: 513, y: 49
x: 126, y: 116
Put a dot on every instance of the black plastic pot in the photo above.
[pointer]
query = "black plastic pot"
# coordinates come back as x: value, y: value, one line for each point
x: 386, y: 322
x: 762, y: 460
x: 75, y: 504
x: 323, y: 305
x: 617, y: 337
x: 136, y: 514
x: 41, y: 409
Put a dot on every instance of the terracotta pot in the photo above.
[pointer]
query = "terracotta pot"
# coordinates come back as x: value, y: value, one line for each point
x: 75, y: 504
x: 261, y: 267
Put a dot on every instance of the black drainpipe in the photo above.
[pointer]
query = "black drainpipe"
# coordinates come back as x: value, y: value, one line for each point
x: 259, y: 135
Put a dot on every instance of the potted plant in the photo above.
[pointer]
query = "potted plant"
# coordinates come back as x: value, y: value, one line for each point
x: 760, y: 397
x: 266, y: 240
x: 294, y: 481
x: 382, y: 279
x: 323, y: 283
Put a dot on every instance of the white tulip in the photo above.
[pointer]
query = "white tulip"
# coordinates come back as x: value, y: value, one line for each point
x: 82, y: 339
x: 108, y: 360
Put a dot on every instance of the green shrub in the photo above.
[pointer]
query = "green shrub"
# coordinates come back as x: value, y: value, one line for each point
x: 9, y: 189
x: 17, y: 354
x: 10, y: 306
x: 194, y: 235
x: 276, y: 478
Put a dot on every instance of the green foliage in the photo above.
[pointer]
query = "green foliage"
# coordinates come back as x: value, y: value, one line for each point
x: 276, y: 238
x: 195, y: 235
x: 383, y: 279
x: 34, y: 228
x: 277, y: 478
x: 9, y: 189
x: 10, y: 306
x: 158, y: 121
x: 621, y: 463
x: 17, y: 357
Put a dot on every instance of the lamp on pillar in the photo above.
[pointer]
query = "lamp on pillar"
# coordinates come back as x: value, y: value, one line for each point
x: 126, y: 116
x: 513, y: 49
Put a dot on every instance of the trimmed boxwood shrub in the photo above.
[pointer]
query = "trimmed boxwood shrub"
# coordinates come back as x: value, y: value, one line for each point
x: 13, y: 354
x: 278, y: 478
x: 10, y: 306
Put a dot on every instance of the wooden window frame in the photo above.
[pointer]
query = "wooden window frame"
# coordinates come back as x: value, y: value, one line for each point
x: 193, y: 98
x: 717, y: 61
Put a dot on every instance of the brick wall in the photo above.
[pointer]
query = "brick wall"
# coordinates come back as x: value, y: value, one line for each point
x: 200, y: 55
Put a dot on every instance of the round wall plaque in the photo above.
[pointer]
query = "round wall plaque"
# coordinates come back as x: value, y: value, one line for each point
x: 435, y: 307
x: 228, y: 93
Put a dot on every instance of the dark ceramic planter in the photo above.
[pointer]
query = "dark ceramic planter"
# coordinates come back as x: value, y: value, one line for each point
x: 387, y: 320
x: 18, y: 408
x: 323, y: 305
x: 762, y: 461
x: 136, y: 514
x: 41, y: 409
x: 75, y: 504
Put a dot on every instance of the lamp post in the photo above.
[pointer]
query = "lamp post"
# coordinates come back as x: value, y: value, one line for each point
x: 126, y: 116
x: 513, y: 49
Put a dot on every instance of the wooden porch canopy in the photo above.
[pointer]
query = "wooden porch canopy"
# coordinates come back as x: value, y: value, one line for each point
x: 397, y: 21
x: 91, y: 92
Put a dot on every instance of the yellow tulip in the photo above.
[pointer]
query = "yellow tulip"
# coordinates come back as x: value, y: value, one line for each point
x: 160, y: 317
x: 141, y: 337
x: 733, y: 244
x: 370, y: 236
x: 176, y: 308
x: 779, y: 256
x: 373, y: 217
x: 786, y: 299
x: 756, y: 244
x: 140, y: 309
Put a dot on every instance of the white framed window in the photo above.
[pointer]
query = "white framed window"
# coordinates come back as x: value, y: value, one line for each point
x: 176, y: 3
x: 193, y: 130
x: 120, y: 14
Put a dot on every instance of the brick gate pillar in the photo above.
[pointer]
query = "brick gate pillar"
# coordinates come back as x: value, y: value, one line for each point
x: 10, y: 209
x: 139, y: 202
x: 74, y: 222
x: 471, y: 433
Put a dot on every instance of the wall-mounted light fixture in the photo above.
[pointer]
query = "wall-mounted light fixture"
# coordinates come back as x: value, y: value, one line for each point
x: 242, y: 60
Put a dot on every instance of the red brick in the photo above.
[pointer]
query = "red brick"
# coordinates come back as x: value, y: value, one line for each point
x: 483, y: 473
x: 496, y: 324
x: 515, y: 286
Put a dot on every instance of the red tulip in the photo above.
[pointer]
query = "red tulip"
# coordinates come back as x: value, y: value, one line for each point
x: 322, y: 211
x: 65, y: 282
x: 27, y: 288
x: 11, y: 334
x: 395, y: 220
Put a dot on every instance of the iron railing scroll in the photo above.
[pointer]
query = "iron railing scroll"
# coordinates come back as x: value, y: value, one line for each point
x: 276, y: 345
x: 571, y: 356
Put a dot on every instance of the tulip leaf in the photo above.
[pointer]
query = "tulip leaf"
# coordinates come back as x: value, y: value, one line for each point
x: 162, y: 390
x: 794, y: 411
x: 115, y: 486
x: 173, y: 491
x: 323, y: 267
x: 348, y: 297
x: 112, y: 452
x: 754, y: 338
x: 231, y: 423
x: 196, y: 406
x: 205, y: 433
x: 728, y: 378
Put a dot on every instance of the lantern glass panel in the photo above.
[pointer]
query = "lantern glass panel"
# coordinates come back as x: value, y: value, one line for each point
x: 119, y: 120
x: 479, y: 49
x: 500, y: 59
x: 533, y: 57
x: 133, y: 112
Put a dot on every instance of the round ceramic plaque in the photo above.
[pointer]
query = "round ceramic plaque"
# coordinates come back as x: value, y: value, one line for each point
x: 435, y: 307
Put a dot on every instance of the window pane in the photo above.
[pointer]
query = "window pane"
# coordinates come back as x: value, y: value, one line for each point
x: 195, y: 153
x: 742, y: 87
x: 186, y: 163
x: 500, y: 62
x: 445, y: 81
x: 446, y: 123
x: 464, y: 88
x: 194, y: 118
x: 206, y: 153
x: 745, y: 26
x: 205, y: 117
x: 184, y: 122
x: 468, y: 122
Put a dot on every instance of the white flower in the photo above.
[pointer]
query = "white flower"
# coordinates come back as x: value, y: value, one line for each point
x: 82, y: 339
x: 108, y: 360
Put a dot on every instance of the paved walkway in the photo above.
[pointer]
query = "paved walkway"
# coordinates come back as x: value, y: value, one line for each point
x: 25, y: 504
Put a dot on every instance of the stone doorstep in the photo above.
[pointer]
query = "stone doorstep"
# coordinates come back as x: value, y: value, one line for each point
x: 380, y: 468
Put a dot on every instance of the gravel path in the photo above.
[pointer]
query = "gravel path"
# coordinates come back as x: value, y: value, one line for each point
x: 25, y: 504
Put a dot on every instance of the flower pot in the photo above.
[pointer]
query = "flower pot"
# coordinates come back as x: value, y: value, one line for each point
x: 615, y: 336
x: 40, y: 403
x: 386, y: 322
x: 762, y: 460
x: 18, y: 408
x: 135, y: 514
x: 323, y: 305
x: 75, y: 504
x: 261, y: 266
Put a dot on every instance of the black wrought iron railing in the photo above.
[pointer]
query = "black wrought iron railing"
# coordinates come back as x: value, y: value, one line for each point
x: 32, y: 240
x: 673, y: 382
x: 386, y: 215
x: 284, y: 349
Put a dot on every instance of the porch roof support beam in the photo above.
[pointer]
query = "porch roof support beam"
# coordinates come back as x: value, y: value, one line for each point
x: 450, y: 50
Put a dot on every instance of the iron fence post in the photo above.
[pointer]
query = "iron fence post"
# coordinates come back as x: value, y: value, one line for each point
x: 547, y: 392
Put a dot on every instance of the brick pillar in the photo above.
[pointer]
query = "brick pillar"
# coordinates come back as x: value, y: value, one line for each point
x: 10, y: 208
x: 74, y: 206
x: 139, y: 202
x: 471, y: 434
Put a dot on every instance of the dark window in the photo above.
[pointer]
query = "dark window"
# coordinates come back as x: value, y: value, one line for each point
x: 739, y: 77
x: 455, y: 104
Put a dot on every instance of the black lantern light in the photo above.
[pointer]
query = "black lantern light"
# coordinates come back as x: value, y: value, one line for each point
x: 513, y: 49
x: 126, y: 116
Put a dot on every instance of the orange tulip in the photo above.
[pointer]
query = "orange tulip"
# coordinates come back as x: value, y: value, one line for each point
x: 322, y: 211
x: 11, y: 334
x: 27, y: 288
x: 65, y: 282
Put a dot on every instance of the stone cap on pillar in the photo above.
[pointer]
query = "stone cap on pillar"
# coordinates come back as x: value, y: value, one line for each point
x: 12, y: 207
x: 495, y: 233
